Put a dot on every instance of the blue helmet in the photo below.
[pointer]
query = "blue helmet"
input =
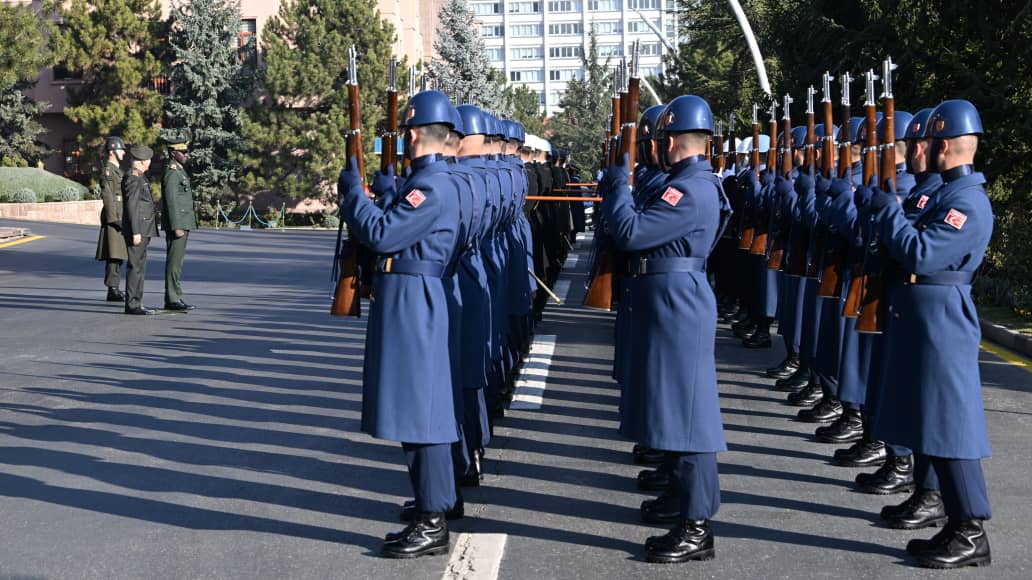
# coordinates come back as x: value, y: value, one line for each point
x: 457, y: 125
x: 686, y: 113
x: 953, y: 119
x: 429, y: 108
x: 918, y: 124
x: 472, y: 120
x: 901, y: 120
x: 647, y: 123
x: 799, y: 137
x: 511, y: 129
x: 521, y: 133
x: 494, y: 126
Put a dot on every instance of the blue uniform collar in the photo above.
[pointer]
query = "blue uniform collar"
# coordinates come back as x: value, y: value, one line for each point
x: 693, y: 163
x: 957, y: 172
x: 923, y: 177
x: 426, y: 160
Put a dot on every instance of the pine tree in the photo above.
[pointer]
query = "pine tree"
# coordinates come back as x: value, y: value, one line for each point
x: 585, y: 109
x: 22, y: 55
x: 463, y: 71
x: 523, y: 104
x: 295, y: 134
x: 209, y: 81
x: 117, y: 46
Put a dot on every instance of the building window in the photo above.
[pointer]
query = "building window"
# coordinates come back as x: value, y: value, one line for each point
x: 564, y: 6
x: 486, y: 8
x: 71, y: 153
x: 638, y: 25
x: 247, y: 42
x: 524, y: 7
x: 541, y: 97
x: 603, y: 5
x: 608, y: 27
x: 610, y: 50
x: 495, y: 54
x: 526, y: 76
x: 556, y: 97
x: 491, y: 30
x: 565, y: 74
x: 565, y: 29
x: 643, y: 4
x: 565, y: 51
x: 649, y: 49
x: 526, y: 53
x: 525, y: 30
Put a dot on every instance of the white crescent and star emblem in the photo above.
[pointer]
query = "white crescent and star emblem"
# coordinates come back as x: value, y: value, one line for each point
x: 923, y: 201
x: 955, y: 219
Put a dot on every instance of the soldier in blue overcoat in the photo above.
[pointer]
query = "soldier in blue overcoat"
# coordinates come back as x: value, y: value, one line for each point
x: 407, y: 390
x: 935, y: 403
x: 674, y: 321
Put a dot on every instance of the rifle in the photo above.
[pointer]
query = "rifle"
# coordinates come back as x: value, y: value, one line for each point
x: 749, y: 229
x: 389, y: 140
x: 851, y: 309
x: 835, y: 259
x: 816, y: 266
x: 759, y: 244
x: 405, y: 161
x: 346, y: 296
x: 797, y: 258
x: 730, y: 161
x: 776, y: 255
x: 871, y: 319
x: 615, y: 120
x: 718, y: 149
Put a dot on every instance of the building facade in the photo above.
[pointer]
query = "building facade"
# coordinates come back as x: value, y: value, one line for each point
x: 540, y: 43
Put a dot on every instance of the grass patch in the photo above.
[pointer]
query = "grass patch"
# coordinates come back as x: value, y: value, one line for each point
x: 1006, y: 317
x: 42, y: 182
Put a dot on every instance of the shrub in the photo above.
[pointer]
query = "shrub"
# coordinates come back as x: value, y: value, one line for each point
x: 24, y: 195
x: 69, y: 194
x: 331, y: 221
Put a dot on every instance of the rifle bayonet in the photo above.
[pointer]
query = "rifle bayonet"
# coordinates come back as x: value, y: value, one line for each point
x: 352, y: 65
x: 887, y: 67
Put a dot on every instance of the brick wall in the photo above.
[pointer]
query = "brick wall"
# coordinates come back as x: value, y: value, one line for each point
x: 65, y: 212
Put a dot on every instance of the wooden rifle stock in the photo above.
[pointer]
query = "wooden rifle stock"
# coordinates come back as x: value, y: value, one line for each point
x: 833, y: 270
x: 797, y: 264
x: 718, y: 146
x: 389, y: 140
x: 820, y: 253
x: 759, y: 244
x: 346, y: 295
x: 749, y: 228
x: 776, y: 257
x: 854, y: 298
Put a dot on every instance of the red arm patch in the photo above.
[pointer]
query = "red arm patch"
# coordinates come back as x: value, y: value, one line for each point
x: 923, y: 201
x: 955, y: 219
x: 672, y: 196
x: 415, y: 198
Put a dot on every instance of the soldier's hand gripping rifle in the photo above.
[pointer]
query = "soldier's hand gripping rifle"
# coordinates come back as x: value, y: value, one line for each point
x: 759, y: 245
x: 389, y: 139
x: 346, y: 258
x: 833, y: 271
x: 776, y: 254
x: 851, y: 309
x: 871, y: 319
x: 748, y: 224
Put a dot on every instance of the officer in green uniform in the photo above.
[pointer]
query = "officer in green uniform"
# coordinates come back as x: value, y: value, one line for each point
x: 111, y: 245
x: 177, y: 219
x: 138, y: 226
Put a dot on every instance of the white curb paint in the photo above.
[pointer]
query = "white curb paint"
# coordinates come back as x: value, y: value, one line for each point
x: 530, y: 387
x: 476, y: 557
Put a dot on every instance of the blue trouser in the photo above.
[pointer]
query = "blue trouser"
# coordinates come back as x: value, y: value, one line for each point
x: 698, y: 484
x: 924, y: 475
x: 963, y: 488
x: 433, y: 481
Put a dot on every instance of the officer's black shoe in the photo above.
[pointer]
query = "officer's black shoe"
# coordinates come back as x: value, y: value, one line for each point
x: 408, y: 511
x: 967, y: 545
x: 427, y: 535
x: 846, y: 429
x: 787, y: 367
x: 862, y: 454
x: 688, y: 540
x: 826, y: 411
x: 665, y: 509
x: 648, y: 456
x: 919, y: 547
x: 808, y: 396
x: 923, y: 509
x: 740, y: 314
x: 896, y: 475
x: 743, y: 329
x: 655, y: 480
x: 115, y: 295
x: 178, y: 306
x: 760, y: 339
x: 140, y: 311
x: 795, y: 381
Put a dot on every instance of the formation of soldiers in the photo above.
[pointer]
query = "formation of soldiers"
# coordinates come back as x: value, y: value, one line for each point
x: 129, y: 219
x: 461, y: 258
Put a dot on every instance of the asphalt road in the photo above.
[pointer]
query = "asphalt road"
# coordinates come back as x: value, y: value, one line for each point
x: 224, y: 443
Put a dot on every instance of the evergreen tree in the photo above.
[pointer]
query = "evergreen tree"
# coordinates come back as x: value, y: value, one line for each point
x: 209, y: 81
x: 523, y: 104
x: 295, y: 134
x: 22, y: 55
x: 585, y: 109
x: 117, y: 46
x: 463, y: 71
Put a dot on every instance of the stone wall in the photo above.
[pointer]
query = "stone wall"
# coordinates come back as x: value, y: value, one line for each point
x: 65, y: 212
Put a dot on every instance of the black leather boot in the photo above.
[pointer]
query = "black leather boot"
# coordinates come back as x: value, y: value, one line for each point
x: 786, y: 368
x: 474, y: 475
x: 648, y: 456
x: 923, y: 509
x: 115, y: 295
x: 655, y: 480
x: 688, y: 540
x: 408, y: 511
x: 896, y: 475
x: 967, y: 545
x: 862, y: 454
x: 760, y: 338
x: 795, y: 381
x: 743, y: 328
x: 918, y: 547
x: 826, y: 411
x: 808, y: 396
x: 846, y: 429
x: 664, y: 509
x: 427, y: 535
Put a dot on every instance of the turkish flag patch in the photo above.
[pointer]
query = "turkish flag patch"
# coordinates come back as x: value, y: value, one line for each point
x: 923, y: 201
x: 415, y: 198
x: 955, y: 219
x: 672, y: 196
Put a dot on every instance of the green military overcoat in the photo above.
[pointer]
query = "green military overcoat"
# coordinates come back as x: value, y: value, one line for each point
x: 177, y: 199
x: 111, y: 244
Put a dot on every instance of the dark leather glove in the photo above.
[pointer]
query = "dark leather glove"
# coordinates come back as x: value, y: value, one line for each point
x: 782, y: 186
x: 616, y: 176
x: 881, y: 199
x: 804, y: 185
x: 862, y: 196
x: 384, y: 184
x: 350, y: 181
x: 822, y: 185
x: 839, y: 187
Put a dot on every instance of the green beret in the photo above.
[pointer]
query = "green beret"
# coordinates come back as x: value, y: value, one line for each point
x: 141, y: 152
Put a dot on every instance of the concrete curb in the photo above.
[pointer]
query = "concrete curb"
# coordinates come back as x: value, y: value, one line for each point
x: 1006, y: 337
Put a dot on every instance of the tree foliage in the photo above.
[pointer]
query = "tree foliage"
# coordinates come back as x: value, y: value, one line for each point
x: 463, y: 71
x: 523, y: 104
x: 585, y: 109
x: 210, y: 77
x: 117, y: 46
x: 23, y: 53
x: 295, y: 133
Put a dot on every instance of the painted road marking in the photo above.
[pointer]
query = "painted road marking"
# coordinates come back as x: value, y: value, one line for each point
x: 1011, y: 357
x: 21, y: 241
x: 476, y: 557
x: 530, y: 386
